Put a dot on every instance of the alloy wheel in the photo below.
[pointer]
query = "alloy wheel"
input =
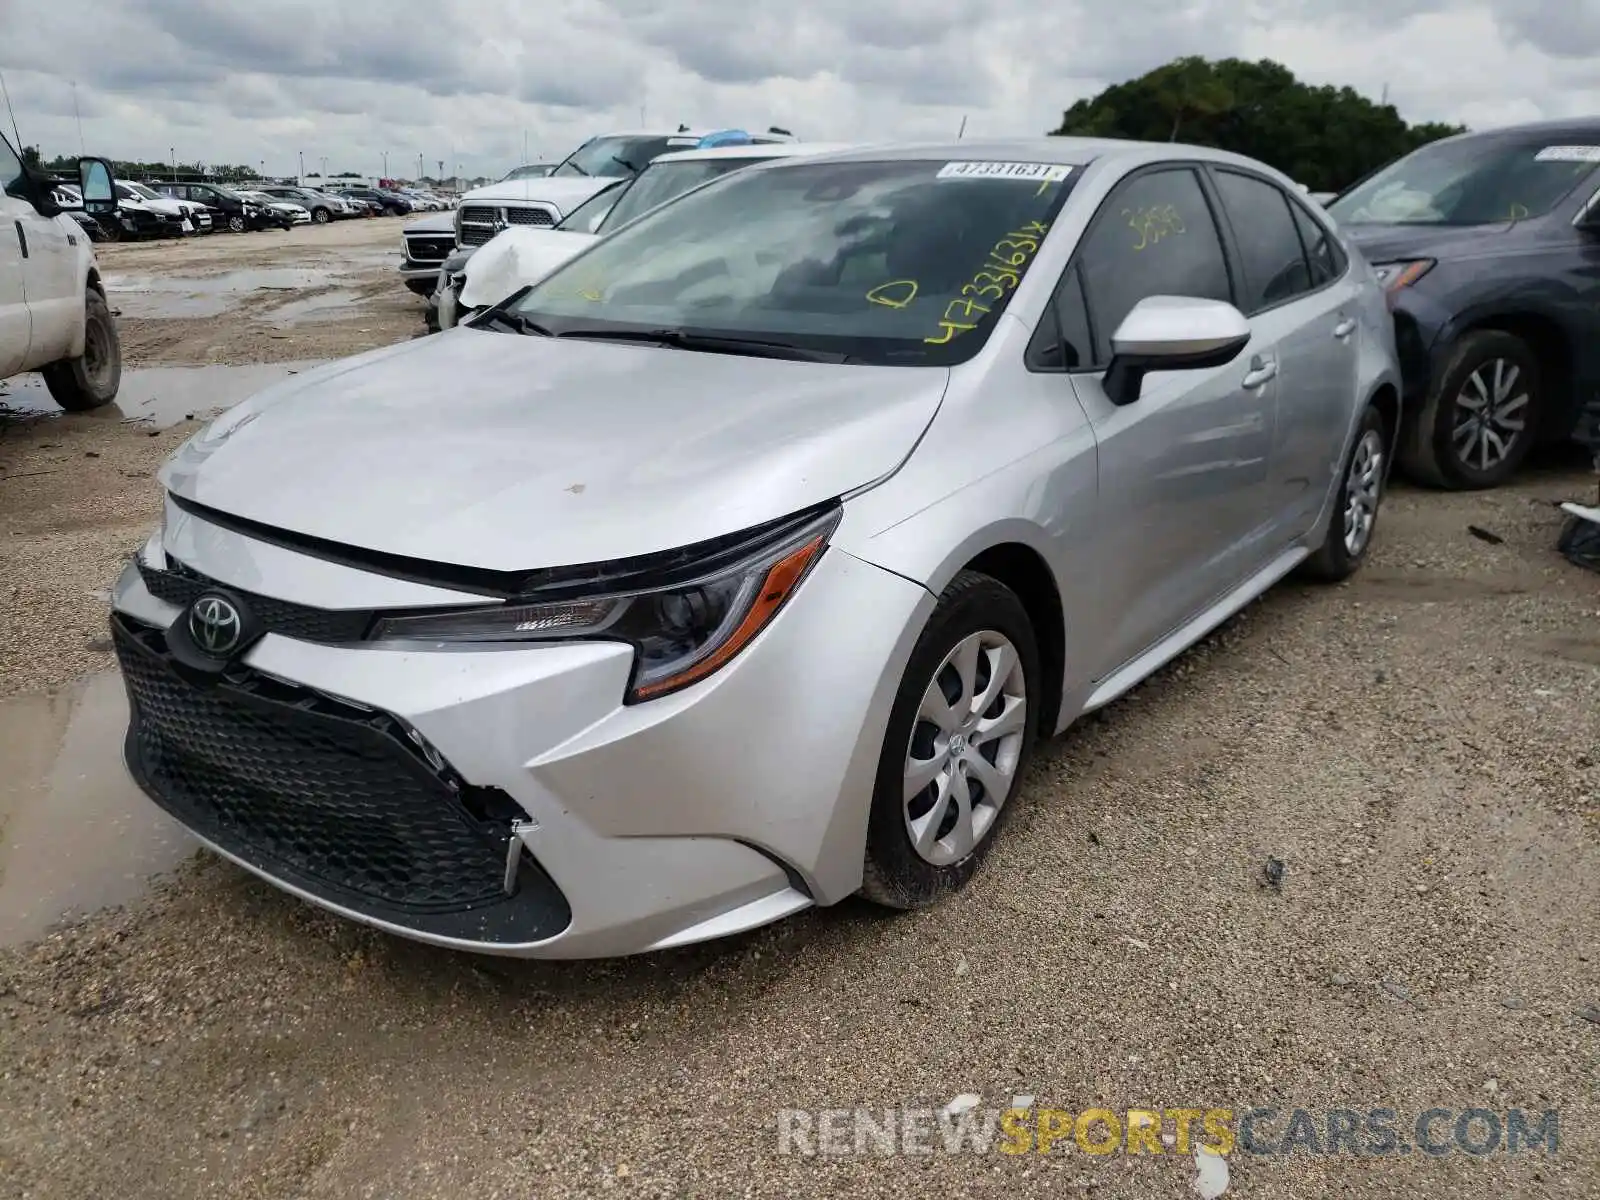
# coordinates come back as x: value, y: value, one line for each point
x: 1491, y: 414
x: 1362, y: 486
x: 966, y: 742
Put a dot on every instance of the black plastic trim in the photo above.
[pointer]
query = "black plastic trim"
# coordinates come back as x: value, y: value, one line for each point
x: 643, y: 572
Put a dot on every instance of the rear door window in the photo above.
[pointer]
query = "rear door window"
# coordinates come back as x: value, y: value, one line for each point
x: 1274, y: 260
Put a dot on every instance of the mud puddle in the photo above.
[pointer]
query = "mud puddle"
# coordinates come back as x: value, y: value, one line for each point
x: 332, y: 304
x: 207, y: 295
x: 76, y: 835
x: 161, y: 395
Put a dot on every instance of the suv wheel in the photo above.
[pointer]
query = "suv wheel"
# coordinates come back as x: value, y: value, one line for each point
x: 321, y: 216
x: 91, y: 380
x: 960, y: 734
x: 1482, y: 418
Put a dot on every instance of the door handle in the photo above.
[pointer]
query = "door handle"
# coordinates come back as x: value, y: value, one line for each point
x: 1260, y: 372
x: 1344, y: 328
x: 22, y: 239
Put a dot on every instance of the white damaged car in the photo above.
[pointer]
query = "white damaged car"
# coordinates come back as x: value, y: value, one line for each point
x: 519, y: 256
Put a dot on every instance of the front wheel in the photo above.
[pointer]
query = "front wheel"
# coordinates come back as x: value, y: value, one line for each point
x: 960, y: 734
x: 1481, y: 419
x: 91, y: 380
x: 321, y: 216
x: 236, y: 224
x: 1355, y: 510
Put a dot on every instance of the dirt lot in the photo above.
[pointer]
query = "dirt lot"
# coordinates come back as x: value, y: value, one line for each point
x: 1420, y: 748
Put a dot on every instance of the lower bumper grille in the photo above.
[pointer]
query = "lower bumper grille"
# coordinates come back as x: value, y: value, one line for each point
x: 429, y: 249
x: 329, y: 798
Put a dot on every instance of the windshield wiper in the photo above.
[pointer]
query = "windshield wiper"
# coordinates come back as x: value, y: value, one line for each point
x: 515, y: 322
x: 617, y: 158
x: 709, y: 343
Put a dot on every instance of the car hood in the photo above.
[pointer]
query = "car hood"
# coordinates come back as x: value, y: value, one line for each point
x: 565, y: 193
x: 1394, y: 243
x: 514, y: 258
x: 511, y: 453
x: 438, y: 223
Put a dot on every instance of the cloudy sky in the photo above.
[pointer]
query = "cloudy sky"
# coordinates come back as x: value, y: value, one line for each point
x: 466, y: 81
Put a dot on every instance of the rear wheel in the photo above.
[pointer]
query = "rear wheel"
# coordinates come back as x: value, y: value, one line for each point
x: 960, y: 735
x: 1355, y: 511
x: 91, y: 380
x: 1481, y: 419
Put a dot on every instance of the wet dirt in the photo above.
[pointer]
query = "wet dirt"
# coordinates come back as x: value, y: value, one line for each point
x: 76, y: 835
x: 161, y: 396
x: 208, y: 296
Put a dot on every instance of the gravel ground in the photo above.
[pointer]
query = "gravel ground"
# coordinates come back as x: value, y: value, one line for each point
x: 1420, y: 748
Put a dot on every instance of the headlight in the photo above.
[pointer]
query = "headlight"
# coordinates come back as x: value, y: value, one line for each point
x: 1395, y: 276
x: 682, y: 630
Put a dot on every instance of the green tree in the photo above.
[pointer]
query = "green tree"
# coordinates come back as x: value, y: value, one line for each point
x: 1323, y: 137
x: 30, y: 158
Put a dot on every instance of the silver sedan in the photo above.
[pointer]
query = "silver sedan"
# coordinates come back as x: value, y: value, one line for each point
x: 738, y: 565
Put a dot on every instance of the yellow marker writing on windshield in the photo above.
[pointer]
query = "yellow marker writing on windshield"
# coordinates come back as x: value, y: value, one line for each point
x: 897, y: 293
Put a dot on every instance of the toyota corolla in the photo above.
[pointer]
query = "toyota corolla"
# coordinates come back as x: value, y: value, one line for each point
x: 757, y: 545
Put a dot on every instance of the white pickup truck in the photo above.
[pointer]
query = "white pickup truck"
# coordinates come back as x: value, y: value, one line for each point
x: 53, y: 313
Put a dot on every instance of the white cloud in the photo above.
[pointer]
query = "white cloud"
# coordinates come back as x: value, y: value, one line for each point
x: 464, y: 81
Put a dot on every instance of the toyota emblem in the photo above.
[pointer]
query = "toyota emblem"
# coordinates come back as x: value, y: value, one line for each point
x: 215, y: 625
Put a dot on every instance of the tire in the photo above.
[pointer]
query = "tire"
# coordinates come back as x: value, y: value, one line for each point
x: 974, y: 608
x: 1477, y: 378
x: 320, y: 216
x: 91, y: 380
x: 1362, y: 477
x: 235, y: 223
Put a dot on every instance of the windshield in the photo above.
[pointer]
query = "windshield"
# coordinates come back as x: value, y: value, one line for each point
x: 536, y: 171
x: 667, y: 181
x: 900, y: 262
x: 587, y: 216
x: 1476, y: 181
x: 139, y: 189
x: 619, y: 157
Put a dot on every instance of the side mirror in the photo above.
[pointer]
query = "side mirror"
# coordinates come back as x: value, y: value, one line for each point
x: 1172, y: 333
x: 94, y: 181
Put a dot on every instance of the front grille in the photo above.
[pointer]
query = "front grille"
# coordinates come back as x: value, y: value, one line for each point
x: 327, y: 795
x: 479, y: 222
x: 181, y: 585
x: 429, y: 249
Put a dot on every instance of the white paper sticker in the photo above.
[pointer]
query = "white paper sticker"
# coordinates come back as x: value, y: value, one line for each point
x: 1024, y: 171
x: 1587, y: 154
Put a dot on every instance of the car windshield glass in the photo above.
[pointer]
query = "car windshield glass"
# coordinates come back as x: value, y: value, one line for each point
x: 586, y: 218
x: 139, y: 189
x: 619, y: 157
x: 225, y: 192
x: 667, y: 181
x: 893, y: 262
x: 537, y: 171
x: 1476, y: 181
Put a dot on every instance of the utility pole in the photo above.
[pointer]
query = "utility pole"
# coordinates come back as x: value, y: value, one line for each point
x: 386, y: 164
x: 79, y: 116
x: 962, y: 131
x: 419, y: 166
x: 174, y: 153
x: 302, y: 166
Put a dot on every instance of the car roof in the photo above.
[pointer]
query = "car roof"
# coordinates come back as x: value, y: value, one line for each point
x: 758, y: 150
x: 1556, y: 130
x: 1067, y: 151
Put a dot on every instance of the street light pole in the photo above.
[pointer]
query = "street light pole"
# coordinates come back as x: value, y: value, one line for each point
x: 302, y: 166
